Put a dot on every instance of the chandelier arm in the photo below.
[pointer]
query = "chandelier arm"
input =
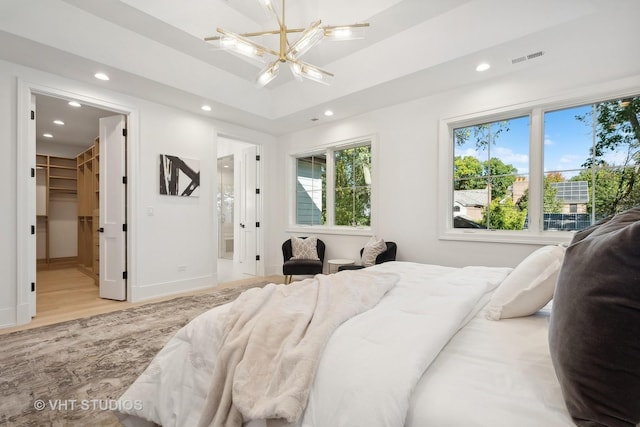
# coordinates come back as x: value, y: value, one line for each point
x: 302, y: 69
x: 311, y: 66
x: 310, y: 37
x: 259, y: 33
x: 333, y: 27
x: 248, y: 41
x: 282, y: 23
x: 306, y: 64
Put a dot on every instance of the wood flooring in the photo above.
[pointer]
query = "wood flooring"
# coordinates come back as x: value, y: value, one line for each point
x: 68, y: 294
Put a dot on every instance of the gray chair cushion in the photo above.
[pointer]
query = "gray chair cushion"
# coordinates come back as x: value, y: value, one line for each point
x: 594, y: 331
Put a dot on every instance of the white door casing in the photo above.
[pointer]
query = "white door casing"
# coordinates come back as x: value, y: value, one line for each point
x: 112, y: 189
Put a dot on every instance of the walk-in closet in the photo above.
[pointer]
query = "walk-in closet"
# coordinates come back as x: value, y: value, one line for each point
x: 67, y: 200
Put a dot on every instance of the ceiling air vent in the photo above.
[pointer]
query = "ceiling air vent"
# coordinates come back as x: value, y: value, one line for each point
x: 527, y: 57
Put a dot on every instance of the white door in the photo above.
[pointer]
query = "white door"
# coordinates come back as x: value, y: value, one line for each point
x: 113, y: 264
x: 248, y: 206
x: 31, y: 262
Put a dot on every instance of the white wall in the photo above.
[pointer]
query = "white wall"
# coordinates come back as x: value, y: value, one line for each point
x: 180, y: 232
x: 405, y: 203
x: 63, y: 226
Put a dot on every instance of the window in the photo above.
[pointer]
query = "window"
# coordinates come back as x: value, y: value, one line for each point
x: 333, y: 188
x: 353, y: 186
x: 587, y: 161
x: 592, y: 160
x: 311, y: 178
x: 490, y: 165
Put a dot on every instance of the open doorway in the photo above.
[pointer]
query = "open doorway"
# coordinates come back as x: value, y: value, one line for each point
x: 237, y: 209
x: 225, y: 203
x: 69, y: 191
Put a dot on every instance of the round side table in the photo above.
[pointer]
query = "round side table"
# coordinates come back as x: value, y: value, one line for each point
x: 334, y: 264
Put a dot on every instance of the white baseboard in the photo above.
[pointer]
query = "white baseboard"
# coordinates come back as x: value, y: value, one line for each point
x: 10, y: 317
x: 159, y: 290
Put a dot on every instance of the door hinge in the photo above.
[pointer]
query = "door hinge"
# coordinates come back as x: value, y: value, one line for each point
x: 124, y: 227
x: 124, y: 132
x: 257, y: 191
x: 33, y: 172
x: 257, y: 157
x: 33, y: 286
x: 124, y: 275
x: 257, y: 257
x: 33, y: 115
x: 257, y: 224
x: 124, y: 179
x: 33, y: 229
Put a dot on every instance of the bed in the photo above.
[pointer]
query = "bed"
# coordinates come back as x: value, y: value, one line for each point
x: 424, y: 355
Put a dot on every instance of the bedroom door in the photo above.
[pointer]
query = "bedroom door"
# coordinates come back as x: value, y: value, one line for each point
x: 113, y: 223
x: 248, y: 207
x: 32, y: 212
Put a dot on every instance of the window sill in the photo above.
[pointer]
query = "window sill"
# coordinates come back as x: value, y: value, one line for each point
x: 342, y: 231
x: 516, y: 237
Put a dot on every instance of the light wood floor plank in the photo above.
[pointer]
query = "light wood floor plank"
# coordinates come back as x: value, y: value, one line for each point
x: 68, y: 294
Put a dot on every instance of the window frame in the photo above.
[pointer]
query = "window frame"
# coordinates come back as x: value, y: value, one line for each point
x: 536, y: 111
x: 328, y: 150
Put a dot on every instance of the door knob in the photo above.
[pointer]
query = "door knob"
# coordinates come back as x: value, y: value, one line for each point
x: 241, y: 225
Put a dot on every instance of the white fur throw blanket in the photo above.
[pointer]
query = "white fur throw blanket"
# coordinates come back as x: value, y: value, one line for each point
x: 274, y: 339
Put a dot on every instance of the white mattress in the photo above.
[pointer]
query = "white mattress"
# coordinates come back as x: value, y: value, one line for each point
x: 492, y: 373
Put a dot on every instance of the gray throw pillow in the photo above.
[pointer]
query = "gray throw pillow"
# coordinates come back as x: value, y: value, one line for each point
x: 594, y: 331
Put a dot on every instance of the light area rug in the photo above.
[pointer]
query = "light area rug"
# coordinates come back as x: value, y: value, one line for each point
x: 71, y: 373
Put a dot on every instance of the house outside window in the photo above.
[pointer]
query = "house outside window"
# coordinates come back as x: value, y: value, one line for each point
x: 311, y: 177
x: 333, y: 188
x: 575, y: 166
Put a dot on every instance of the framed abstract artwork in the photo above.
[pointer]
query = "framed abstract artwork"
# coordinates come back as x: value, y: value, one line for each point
x: 179, y: 176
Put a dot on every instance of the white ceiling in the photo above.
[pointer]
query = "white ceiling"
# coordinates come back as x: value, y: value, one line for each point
x: 154, y: 49
x: 81, y: 124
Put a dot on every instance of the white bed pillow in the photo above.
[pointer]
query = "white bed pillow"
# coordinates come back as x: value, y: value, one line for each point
x: 372, y: 249
x: 529, y: 287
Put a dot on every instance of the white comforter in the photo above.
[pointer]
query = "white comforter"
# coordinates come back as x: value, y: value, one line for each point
x: 273, y: 341
x: 369, y: 367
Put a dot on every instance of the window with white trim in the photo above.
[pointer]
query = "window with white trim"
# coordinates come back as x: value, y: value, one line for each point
x: 575, y: 166
x: 333, y: 187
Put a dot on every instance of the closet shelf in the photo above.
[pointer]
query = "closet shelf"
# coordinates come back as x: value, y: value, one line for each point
x: 71, y: 178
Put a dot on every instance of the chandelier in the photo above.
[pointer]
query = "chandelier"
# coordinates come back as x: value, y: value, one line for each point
x: 287, y: 52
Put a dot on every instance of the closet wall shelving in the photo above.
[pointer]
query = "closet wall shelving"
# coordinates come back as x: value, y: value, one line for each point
x: 88, y: 178
x: 61, y: 184
x: 55, y: 178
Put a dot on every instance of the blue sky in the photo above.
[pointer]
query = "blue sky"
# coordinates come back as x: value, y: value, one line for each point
x: 567, y: 142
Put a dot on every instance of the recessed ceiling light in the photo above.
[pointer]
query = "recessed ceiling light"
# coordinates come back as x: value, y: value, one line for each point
x: 483, y: 67
x: 47, y: 135
x: 101, y: 76
x: 58, y: 122
x: 328, y: 113
x: 206, y: 108
x: 74, y: 103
